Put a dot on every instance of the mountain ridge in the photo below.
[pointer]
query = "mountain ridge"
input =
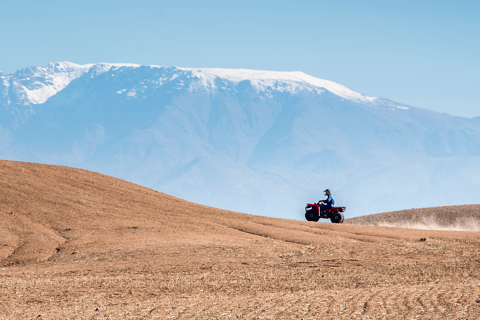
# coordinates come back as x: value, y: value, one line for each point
x: 207, y: 75
x: 246, y: 144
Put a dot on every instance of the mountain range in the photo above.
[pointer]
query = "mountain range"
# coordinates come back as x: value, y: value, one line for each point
x: 260, y: 142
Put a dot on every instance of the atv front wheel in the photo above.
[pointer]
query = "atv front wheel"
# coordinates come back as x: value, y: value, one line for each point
x: 337, y: 217
x: 312, y: 215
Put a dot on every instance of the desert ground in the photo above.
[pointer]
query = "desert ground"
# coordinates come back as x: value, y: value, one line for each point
x: 75, y: 244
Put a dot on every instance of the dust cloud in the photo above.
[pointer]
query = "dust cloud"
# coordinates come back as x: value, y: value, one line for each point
x: 430, y: 224
x: 447, y: 218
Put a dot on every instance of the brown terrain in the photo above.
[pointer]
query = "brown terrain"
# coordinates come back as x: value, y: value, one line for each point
x: 76, y: 244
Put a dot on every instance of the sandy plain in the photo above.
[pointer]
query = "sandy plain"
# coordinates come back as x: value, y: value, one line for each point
x: 76, y: 244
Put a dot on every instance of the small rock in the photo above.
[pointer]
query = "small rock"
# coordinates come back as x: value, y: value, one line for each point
x: 97, y: 309
x: 423, y: 239
x: 11, y: 212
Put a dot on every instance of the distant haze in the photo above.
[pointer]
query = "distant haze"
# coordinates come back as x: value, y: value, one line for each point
x: 259, y: 142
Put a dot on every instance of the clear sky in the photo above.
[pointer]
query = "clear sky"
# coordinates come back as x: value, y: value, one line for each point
x: 421, y: 53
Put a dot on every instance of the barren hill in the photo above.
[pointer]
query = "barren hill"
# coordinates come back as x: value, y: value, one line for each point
x: 76, y: 244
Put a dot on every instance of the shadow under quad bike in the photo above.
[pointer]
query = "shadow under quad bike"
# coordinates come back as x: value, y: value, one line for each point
x: 335, y: 214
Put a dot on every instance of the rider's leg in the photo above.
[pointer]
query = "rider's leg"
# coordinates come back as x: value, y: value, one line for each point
x: 323, y: 207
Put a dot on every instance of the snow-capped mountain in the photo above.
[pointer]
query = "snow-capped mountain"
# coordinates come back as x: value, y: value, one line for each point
x: 261, y: 142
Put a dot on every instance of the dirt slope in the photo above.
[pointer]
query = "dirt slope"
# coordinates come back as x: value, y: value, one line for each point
x: 80, y: 245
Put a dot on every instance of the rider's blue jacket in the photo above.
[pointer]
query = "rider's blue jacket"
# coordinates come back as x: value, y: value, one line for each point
x: 329, y: 202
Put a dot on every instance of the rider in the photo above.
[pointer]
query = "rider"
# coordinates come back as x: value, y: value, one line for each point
x: 327, y: 203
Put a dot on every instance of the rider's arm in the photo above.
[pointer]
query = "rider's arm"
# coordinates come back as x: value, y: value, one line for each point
x: 329, y: 199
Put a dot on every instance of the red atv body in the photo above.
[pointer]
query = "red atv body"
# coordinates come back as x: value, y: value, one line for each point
x: 335, y: 214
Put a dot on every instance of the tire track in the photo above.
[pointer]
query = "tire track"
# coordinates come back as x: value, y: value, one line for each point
x: 289, y: 306
x: 413, y: 301
x: 425, y: 301
x: 391, y: 299
x: 313, y: 303
x: 353, y: 297
x: 474, y: 300
x: 375, y: 304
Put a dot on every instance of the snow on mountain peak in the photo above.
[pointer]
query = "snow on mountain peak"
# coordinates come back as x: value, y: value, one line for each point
x: 102, y: 67
x: 34, y: 85
x: 264, y: 79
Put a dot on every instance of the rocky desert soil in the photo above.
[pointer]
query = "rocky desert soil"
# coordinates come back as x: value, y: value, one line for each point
x: 76, y: 244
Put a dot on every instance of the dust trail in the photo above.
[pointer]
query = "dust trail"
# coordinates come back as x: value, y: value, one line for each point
x: 431, y: 224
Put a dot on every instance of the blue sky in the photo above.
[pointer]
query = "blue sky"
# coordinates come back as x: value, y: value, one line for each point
x: 421, y: 53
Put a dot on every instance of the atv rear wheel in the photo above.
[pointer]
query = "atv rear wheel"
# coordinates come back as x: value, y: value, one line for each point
x: 312, y: 215
x: 337, y: 217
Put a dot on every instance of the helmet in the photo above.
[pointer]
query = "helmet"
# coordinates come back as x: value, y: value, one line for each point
x: 326, y: 190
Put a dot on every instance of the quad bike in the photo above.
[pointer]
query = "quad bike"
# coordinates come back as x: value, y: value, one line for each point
x: 312, y: 213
